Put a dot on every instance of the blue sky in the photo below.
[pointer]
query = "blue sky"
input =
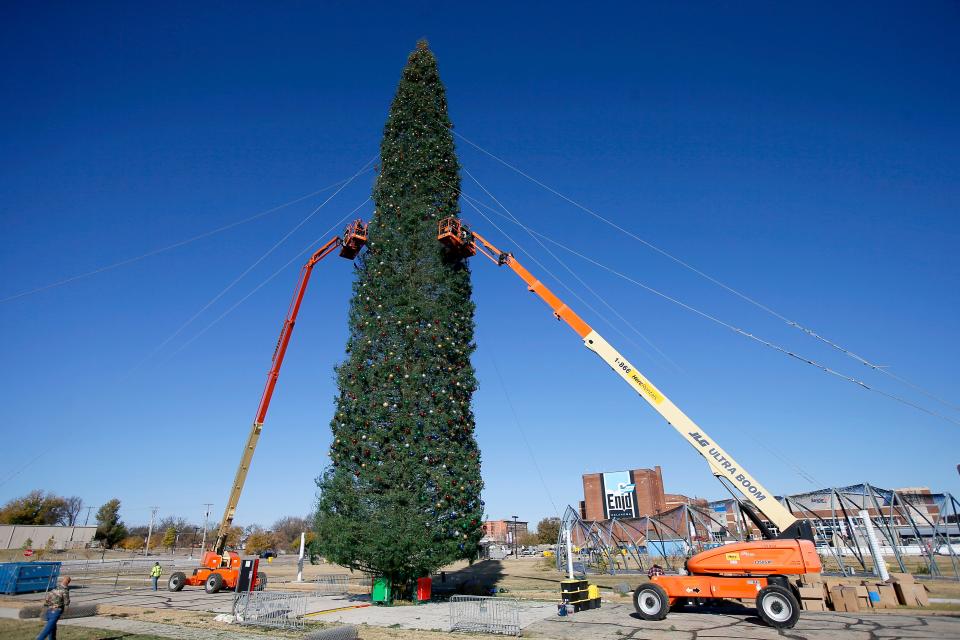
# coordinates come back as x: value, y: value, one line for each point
x: 808, y: 156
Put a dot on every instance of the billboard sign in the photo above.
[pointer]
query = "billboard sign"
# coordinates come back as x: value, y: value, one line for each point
x: 619, y: 495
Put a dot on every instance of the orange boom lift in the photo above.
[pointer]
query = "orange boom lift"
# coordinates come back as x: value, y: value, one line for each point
x: 221, y: 570
x: 744, y: 570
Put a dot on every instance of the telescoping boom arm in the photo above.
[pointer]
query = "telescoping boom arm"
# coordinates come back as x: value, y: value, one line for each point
x: 468, y: 243
x: 353, y: 239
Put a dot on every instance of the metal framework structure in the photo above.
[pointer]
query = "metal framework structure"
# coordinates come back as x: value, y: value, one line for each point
x: 918, y: 533
x: 633, y: 545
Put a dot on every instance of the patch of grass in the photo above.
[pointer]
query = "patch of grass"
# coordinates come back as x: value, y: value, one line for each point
x: 29, y: 629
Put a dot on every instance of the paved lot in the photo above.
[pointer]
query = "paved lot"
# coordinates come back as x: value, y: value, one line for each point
x: 430, y: 616
x: 612, y: 622
x: 619, y: 622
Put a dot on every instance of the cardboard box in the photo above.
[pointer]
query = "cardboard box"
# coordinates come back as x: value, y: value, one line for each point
x: 811, y: 579
x: 833, y: 582
x: 920, y: 593
x: 836, y: 599
x: 811, y: 593
x: 850, y: 603
x: 862, y: 592
x: 901, y: 577
x: 888, y: 596
x: 904, y: 591
x: 813, y: 605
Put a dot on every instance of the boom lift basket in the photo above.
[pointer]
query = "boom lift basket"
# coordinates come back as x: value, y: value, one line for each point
x: 354, y: 237
x: 457, y: 237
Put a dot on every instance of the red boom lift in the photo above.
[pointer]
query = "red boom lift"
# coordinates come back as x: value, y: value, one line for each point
x: 221, y: 570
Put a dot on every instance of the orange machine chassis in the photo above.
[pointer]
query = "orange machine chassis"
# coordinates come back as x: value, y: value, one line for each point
x: 227, y: 566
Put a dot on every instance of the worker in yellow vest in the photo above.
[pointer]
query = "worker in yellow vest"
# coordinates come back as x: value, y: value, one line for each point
x: 155, y: 572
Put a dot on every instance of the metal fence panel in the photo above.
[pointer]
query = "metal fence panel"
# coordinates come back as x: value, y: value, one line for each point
x: 276, y: 609
x: 335, y: 583
x: 481, y: 614
x: 114, y: 573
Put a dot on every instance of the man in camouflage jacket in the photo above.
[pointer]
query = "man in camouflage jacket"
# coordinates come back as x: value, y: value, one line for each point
x: 57, y: 600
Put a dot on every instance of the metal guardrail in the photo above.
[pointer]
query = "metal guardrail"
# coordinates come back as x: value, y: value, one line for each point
x: 481, y: 614
x: 275, y: 609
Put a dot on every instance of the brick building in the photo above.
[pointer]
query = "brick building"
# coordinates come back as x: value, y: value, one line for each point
x: 622, y: 494
x: 674, y: 500
x: 501, y: 530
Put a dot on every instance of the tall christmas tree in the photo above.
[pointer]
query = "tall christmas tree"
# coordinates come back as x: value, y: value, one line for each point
x: 401, y: 496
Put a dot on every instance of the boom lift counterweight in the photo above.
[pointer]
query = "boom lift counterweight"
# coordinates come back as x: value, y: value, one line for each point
x: 744, y: 570
x: 218, y: 569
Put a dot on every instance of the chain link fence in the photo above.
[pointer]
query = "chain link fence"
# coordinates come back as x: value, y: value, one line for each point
x: 274, y: 609
x: 481, y: 614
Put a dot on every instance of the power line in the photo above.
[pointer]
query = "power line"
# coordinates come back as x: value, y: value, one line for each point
x: 810, y: 332
x: 27, y: 464
x: 250, y: 268
x: 703, y: 314
x: 169, y: 247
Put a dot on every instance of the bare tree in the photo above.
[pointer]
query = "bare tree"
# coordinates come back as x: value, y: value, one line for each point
x: 287, y: 531
x: 72, y: 507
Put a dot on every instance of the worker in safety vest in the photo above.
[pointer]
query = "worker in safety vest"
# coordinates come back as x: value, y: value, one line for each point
x: 155, y: 572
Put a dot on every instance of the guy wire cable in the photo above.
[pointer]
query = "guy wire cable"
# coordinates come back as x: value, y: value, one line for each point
x: 810, y: 332
x: 251, y: 267
x: 577, y: 277
x: 563, y: 284
x: 523, y: 435
x: 712, y: 318
x: 313, y: 245
x: 175, y: 245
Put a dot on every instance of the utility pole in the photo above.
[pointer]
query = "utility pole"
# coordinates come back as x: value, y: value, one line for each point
x: 516, y: 553
x: 153, y: 513
x: 87, y: 520
x: 206, y: 514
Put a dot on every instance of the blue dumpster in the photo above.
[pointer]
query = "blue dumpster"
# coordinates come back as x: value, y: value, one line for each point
x: 26, y: 577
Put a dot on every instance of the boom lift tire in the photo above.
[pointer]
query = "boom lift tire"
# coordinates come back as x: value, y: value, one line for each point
x: 651, y: 601
x: 214, y: 583
x: 261, y: 581
x: 176, y: 581
x: 778, y: 607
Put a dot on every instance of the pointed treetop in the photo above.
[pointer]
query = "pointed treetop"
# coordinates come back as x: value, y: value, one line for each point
x: 423, y: 45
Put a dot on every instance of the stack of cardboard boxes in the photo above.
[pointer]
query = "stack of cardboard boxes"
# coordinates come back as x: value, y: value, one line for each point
x: 819, y: 593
